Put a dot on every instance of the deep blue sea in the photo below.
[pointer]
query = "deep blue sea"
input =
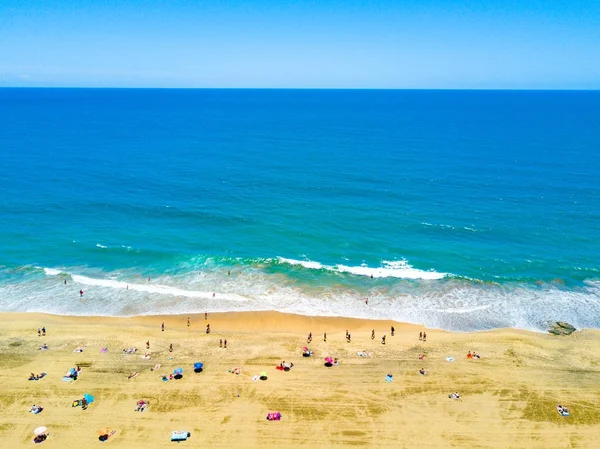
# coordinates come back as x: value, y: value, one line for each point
x: 462, y: 210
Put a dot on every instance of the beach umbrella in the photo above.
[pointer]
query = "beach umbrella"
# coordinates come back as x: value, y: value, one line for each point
x: 328, y: 359
x: 178, y: 371
x: 198, y: 365
x: 104, y: 431
x: 40, y: 430
x: 89, y: 398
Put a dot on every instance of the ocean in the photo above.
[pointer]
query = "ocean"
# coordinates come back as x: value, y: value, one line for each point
x: 460, y: 210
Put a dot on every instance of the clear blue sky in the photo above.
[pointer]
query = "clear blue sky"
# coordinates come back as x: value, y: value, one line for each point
x: 514, y: 44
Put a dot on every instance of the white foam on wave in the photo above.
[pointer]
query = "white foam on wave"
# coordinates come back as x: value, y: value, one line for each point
x: 397, y: 269
x: 98, y: 245
x: 147, y: 288
x: 452, y: 304
x: 305, y: 263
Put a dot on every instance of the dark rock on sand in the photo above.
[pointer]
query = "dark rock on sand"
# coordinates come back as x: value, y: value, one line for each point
x: 561, y: 328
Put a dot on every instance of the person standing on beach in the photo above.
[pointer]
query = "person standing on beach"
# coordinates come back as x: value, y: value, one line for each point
x: 420, y: 335
x: 162, y: 326
x: 225, y: 344
x: 39, y: 332
x: 309, y: 338
x: 188, y: 323
x: 349, y: 337
x: 208, y: 328
x: 424, y: 336
x: 393, y: 330
x: 220, y: 343
x: 325, y: 337
x: 44, y: 331
x: 171, y: 347
x: 373, y: 334
x: 383, y: 340
x: 205, y: 316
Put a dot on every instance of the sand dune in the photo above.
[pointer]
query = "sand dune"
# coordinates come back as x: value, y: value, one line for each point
x: 509, y: 395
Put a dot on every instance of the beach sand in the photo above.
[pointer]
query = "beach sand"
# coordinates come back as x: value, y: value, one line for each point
x: 509, y: 395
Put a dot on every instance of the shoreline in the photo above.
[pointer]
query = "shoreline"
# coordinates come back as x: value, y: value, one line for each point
x: 246, y: 321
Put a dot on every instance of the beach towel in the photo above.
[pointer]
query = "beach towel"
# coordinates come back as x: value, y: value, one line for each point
x: 180, y: 435
x: 279, y: 368
x: 274, y: 416
x: 104, y: 350
x: 363, y: 354
x: 450, y: 359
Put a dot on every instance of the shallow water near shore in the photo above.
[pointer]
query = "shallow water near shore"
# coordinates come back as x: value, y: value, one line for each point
x: 459, y: 210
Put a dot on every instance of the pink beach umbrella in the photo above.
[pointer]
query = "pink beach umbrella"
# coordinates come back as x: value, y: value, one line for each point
x: 328, y: 359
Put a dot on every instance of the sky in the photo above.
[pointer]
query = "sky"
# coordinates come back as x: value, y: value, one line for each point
x: 373, y: 44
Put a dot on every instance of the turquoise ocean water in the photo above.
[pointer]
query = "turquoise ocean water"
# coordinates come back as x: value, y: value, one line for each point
x: 461, y: 210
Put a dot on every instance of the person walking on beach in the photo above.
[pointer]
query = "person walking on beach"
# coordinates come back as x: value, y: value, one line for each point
x: 208, y: 328
x: 220, y: 343
x: 39, y: 332
x: 171, y: 347
x: 424, y: 336
x: 205, y: 316
x: 225, y: 344
x: 309, y: 338
x: 148, y: 344
x: 373, y: 334
x: 348, y: 337
x: 162, y: 326
x: 383, y: 340
x: 393, y: 330
x: 44, y: 331
x: 188, y: 323
x: 346, y: 334
x: 420, y: 335
x: 325, y: 337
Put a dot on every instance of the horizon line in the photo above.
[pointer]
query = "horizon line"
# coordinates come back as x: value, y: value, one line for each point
x: 307, y: 88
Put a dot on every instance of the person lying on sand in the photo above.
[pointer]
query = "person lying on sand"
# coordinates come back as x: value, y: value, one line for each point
x: 146, y: 356
x: 44, y: 347
x: 141, y: 406
x: 422, y: 372
x: 235, y: 370
x: 129, y: 350
x: 157, y: 366
x: 455, y: 396
x: 35, y: 409
x: 79, y: 349
x: 564, y: 411
x: 134, y: 374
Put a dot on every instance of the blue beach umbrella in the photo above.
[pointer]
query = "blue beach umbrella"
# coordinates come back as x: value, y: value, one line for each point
x: 198, y: 365
x: 89, y: 398
x: 178, y: 371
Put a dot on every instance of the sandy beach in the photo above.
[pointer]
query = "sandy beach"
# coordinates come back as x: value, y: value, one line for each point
x: 509, y: 395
